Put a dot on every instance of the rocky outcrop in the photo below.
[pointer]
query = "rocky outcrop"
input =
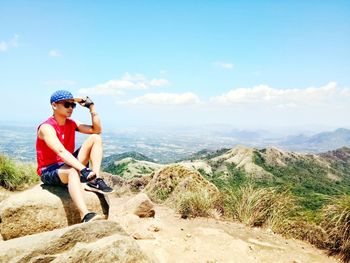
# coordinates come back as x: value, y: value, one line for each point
x: 44, y: 208
x: 139, y: 183
x: 140, y: 205
x: 99, y: 241
x: 112, y: 180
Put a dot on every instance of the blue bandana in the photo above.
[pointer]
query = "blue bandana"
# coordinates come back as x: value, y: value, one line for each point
x: 60, y: 95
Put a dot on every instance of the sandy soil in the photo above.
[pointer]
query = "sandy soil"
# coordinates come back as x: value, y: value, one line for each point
x: 168, y: 238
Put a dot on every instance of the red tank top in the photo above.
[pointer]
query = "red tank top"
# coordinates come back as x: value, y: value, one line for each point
x: 65, y: 133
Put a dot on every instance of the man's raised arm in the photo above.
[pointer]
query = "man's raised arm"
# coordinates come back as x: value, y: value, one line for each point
x: 95, y: 127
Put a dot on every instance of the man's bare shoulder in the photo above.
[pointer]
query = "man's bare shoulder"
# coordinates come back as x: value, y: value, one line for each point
x: 46, y: 130
x: 45, y: 127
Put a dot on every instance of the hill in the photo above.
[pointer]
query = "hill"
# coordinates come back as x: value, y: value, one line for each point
x: 311, y: 178
x: 129, y: 165
x: 117, y: 157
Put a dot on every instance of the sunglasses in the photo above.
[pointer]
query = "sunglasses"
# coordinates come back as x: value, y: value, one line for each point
x: 68, y: 104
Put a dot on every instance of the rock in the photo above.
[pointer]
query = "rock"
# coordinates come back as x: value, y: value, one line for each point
x: 44, y: 208
x: 99, y: 241
x: 112, y: 180
x: 140, y: 205
x: 138, y: 184
x: 142, y: 235
x: 153, y: 228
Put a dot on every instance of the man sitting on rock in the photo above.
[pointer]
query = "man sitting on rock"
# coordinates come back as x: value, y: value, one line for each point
x: 58, y: 164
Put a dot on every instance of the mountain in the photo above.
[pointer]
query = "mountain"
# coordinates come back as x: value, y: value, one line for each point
x: 312, y: 178
x: 340, y: 155
x: 339, y: 159
x: 320, y: 142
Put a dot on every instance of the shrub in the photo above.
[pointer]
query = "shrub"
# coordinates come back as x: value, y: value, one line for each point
x: 161, y: 194
x: 298, y: 228
x: 16, y: 176
x: 198, y: 202
x: 258, y: 207
x: 170, y: 182
x: 337, y: 224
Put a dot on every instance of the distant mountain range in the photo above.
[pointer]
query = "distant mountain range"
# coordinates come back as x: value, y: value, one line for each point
x: 317, y: 143
x: 168, y: 146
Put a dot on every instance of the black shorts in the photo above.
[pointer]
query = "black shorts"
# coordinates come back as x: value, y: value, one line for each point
x: 49, y: 174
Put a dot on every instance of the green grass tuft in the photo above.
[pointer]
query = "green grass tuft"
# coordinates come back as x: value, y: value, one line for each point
x: 258, y: 206
x: 195, y: 203
x: 16, y: 176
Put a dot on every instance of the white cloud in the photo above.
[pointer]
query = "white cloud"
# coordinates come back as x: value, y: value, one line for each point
x: 260, y: 107
x: 60, y: 83
x: 224, y: 65
x: 127, y: 82
x: 165, y: 99
x: 159, y: 82
x: 55, y: 53
x: 281, y: 97
x: 12, y: 43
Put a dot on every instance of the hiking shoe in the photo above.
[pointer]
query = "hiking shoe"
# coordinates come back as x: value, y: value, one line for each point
x: 99, y: 186
x: 92, y: 216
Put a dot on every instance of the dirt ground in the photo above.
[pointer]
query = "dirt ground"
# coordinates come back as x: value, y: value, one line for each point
x: 168, y: 238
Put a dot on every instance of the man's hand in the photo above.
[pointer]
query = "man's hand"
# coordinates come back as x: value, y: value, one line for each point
x: 86, y: 102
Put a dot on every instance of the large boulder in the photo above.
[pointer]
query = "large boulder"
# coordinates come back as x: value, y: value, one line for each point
x: 99, y: 241
x: 44, y: 208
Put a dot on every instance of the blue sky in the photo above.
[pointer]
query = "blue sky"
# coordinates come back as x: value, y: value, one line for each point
x: 248, y: 64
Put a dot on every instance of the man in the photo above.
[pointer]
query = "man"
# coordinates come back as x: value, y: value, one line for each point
x: 58, y: 164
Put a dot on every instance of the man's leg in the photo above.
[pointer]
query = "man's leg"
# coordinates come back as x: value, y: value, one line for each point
x: 91, y: 150
x: 71, y: 177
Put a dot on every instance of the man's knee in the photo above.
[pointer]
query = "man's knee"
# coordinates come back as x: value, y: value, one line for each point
x: 96, y: 138
x: 68, y: 174
x: 72, y: 174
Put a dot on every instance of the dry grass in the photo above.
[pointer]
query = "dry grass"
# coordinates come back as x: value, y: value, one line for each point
x: 300, y: 229
x: 195, y: 203
x: 263, y: 207
x: 337, y: 225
